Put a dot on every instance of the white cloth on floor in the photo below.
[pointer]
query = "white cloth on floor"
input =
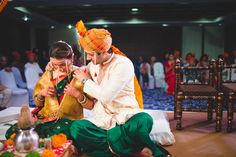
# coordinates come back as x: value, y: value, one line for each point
x: 161, y: 132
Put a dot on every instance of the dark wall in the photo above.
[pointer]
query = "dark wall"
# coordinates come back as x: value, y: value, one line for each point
x: 14, y: 35
x: 230, y: 38
x: 146, y: 40
x: 41, y: 38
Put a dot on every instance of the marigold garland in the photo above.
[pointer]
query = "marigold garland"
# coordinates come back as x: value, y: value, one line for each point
x: 58, y: 140
x: 8, y: 142
x: 48, y: 153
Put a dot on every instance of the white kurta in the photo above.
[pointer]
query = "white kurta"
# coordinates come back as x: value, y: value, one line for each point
x: 34, y: 66
x: 112, y: 85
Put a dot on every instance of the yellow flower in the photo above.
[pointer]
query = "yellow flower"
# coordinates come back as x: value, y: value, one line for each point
x: 13, y: 136
x: 48, y: 153
x: 58, y: 140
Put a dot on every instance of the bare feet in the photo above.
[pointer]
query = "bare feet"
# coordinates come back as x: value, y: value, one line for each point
x: 145, y: 152
x: 73, y: 150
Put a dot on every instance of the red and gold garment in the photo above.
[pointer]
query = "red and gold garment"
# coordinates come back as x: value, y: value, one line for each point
x: 60, y: 105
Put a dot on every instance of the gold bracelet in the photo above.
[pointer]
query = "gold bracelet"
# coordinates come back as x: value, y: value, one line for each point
x: 84, y: 101
x: 41, y: 100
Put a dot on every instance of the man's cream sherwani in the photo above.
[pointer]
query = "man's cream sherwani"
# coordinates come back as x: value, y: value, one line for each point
x: 112, y: 85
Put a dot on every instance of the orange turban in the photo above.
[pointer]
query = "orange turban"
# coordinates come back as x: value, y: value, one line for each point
x: 99, y: 40
x: 96, y: 40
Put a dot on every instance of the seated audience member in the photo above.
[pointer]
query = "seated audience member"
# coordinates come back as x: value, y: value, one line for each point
x: 32, y: 65
x: 4, y: 63
x: 204, y: 74
x: 190, y: 75
x: 6, y: 96
x: 18, y: 62
x: 55, y: 107
x: 31, y: 57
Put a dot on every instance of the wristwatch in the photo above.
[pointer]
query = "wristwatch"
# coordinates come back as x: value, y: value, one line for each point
x: 84, y: 80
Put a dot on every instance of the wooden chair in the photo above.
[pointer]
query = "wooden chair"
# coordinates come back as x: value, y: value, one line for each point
x: 197, y: 90
x: 227, y: 85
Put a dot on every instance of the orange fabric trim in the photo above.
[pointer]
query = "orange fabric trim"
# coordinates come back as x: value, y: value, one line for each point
x: 137, y: 90
x: 81, y: 28
x: 3, y: 4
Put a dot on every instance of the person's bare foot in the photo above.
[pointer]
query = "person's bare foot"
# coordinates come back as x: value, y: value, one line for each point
x: 145, y: 152
x: 73, y: 150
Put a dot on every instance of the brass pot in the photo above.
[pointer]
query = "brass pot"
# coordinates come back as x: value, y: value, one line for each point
x: 26, y: 140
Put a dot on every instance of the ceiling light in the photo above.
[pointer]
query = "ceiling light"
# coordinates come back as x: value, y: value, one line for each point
x: 25, y: 18
x: 87, y: 5
x: 69, y: 26
x: 52, y: 27
x: 218, y: 19
x: 105, y: 26
x: 165, y: 25
x: 134, y: 9
x: 99, y: 22
x: 22, y: 9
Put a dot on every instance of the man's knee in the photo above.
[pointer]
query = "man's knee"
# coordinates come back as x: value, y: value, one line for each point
x: 145, y: 118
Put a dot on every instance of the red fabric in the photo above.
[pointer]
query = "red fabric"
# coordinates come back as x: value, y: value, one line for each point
x: 61, y: 97
x: 170, y: 79
x: 55, y: 80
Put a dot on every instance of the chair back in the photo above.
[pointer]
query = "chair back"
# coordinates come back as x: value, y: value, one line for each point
x: 31, y: 77
x: 194, y: 72
x: 18, y: 77
x: 159, y: 75
x: 8, y: 79
x: 158, y: 70
x: 226, y: 73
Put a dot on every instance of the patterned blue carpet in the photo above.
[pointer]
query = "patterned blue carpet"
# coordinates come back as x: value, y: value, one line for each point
x: 156, y: 99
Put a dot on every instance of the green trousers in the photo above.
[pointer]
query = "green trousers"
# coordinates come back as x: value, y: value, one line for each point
x: 124, y: 140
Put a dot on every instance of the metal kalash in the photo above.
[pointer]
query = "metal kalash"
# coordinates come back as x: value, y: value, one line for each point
x: 26, y: 140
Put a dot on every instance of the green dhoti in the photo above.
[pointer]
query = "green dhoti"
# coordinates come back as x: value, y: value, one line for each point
x: 125, y: 139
